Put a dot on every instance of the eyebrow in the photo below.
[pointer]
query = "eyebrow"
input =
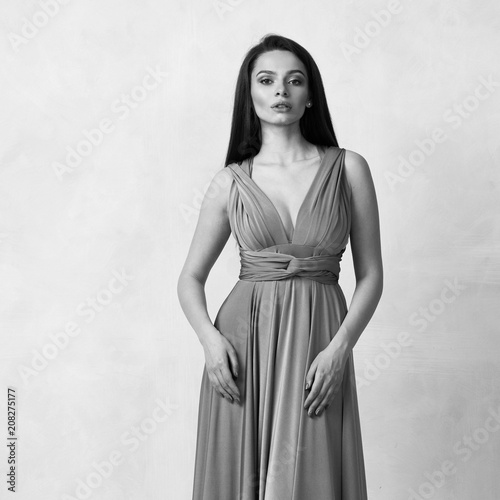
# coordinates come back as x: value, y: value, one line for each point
x: 273, y: 72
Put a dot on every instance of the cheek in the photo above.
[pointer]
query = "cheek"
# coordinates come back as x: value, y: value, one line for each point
x: 259, y: 98
x: 302, y: 94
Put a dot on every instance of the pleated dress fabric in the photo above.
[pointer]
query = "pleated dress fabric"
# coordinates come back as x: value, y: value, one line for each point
x: 284, y: 309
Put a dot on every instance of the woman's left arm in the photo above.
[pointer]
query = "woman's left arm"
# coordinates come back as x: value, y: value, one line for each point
x: 326, y: 371
x: 366, y: 252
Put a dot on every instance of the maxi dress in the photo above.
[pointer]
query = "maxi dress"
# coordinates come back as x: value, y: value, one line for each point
x: 284, y: 309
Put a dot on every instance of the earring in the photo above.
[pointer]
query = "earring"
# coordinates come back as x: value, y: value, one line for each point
x: 309, y: 104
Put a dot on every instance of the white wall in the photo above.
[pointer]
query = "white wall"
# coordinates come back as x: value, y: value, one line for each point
x: 86, y: 381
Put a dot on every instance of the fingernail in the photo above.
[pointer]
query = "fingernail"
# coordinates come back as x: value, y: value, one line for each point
x: 307, y: 386
x: 317, y: 412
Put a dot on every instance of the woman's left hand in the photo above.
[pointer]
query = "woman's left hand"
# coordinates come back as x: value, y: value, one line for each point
x: 324, y: 378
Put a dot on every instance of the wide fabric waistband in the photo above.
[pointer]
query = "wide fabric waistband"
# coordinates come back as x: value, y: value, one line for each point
x: 271, y: 266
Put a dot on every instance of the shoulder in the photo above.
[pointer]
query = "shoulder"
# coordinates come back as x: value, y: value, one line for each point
x: 218, y: 190
x: 356, y: 169
x: 225, y: 173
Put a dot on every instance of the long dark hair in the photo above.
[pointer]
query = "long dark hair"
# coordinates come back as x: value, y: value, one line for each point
x: 316, y: 123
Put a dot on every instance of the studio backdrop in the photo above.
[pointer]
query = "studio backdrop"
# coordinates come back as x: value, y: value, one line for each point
x: 115, y: 118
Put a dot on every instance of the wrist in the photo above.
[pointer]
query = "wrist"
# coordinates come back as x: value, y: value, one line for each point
x: 337, y: 344
x: 207, y: 333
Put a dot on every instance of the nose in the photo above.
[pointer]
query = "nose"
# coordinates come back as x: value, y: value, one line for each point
x: 282, y: 91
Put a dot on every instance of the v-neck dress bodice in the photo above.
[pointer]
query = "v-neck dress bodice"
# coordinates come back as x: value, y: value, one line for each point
x: 323, y: 220
x: 285, y: 308
x: 248, y: 169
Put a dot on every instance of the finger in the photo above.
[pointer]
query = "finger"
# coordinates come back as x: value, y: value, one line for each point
x: 220, y: 386
x: 318, y: 400
x: 310, y: 375
x: 233, y: 358
x: 330, y: 395
x: 227, y: 382
x: 315, y: 389
x: 320, y: 410
x: 216, y: 385
x: 325, y: 402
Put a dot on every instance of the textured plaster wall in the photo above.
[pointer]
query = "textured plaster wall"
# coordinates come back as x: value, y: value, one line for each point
x: 114, y: 118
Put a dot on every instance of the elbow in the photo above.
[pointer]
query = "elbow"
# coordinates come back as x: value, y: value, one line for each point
x: 181, y: 284
x: 374, y: 279
x: 376, y: 286
x: 380, y: 285
x: 378, y: 280
x: 184, y: 280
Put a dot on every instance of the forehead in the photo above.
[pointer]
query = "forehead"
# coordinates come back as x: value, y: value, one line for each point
x: 279, y: 61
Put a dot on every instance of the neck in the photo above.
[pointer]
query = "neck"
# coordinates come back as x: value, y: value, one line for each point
x: 284, y: 144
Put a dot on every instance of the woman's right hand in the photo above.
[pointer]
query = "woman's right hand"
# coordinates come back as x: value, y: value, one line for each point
x: 218, y: 353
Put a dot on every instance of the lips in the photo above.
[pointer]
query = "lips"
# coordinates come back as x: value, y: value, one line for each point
x: 281, y: 104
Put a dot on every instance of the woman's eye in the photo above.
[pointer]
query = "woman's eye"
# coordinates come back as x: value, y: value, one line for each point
x: 294, y: 81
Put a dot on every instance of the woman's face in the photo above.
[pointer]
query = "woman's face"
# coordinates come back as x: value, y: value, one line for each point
x: 279, y: 75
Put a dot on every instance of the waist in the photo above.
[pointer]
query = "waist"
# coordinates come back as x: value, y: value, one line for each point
x: 272, y: 266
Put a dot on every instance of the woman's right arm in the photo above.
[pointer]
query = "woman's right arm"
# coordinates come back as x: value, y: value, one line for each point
x: 210, y: 236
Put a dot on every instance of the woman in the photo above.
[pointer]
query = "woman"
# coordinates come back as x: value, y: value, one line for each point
x: 278, y: 413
